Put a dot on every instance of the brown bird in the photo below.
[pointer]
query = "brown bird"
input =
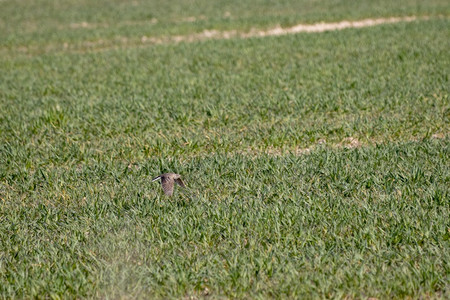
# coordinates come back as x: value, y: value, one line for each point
x: 167, y: 182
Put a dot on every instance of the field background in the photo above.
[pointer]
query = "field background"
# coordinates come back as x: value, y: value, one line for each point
x: 317, y: 164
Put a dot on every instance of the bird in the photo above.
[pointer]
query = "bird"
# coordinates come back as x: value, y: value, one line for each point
x: 168, y: 180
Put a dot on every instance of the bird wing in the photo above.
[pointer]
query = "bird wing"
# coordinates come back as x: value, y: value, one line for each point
x: 180, y: 182
x: 167, y: 185
x: 156, y: 178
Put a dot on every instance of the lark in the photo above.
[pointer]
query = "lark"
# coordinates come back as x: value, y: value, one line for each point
x: 168, y: 180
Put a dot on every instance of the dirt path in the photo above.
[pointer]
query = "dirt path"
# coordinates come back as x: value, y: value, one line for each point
x: 144, y: 41
x: 317, y: 27
x: 321, y: 27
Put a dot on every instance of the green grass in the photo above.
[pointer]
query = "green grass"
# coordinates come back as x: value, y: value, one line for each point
x: 82, y: 134
x: 45, y: 25
x: 188, y: 99
x: 362, y: 222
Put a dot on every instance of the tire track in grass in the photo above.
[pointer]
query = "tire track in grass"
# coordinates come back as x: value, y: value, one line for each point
x: 120, y: 42
x: 346, y: 143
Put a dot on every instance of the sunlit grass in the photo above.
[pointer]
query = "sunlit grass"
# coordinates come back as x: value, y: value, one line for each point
x: 317, y: 167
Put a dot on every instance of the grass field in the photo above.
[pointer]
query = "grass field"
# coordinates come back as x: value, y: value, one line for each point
x: 317, y: 164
